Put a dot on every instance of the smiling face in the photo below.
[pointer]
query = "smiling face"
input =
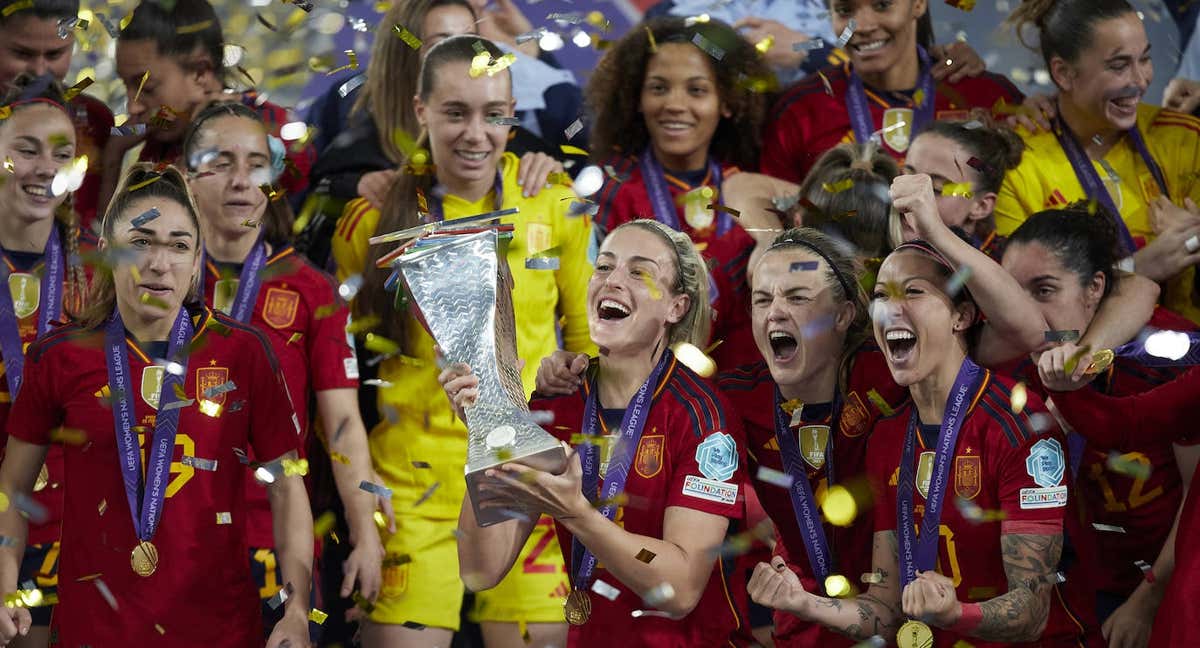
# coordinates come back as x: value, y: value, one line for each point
x: 169, y: 84
x: 1111, y: 76
x: 236, y: 162
x: 1065, y: 301
x: 915, y: 322
x: 631, y: 302
x: 946, y: 161
x: 40, y: 140
x: 681, y: 105
x: 155, y: 263
x: 799, y: 325
x: 31, y: 44
x: 443, y: 22
x: 884, y: 31
x: 466, y: 148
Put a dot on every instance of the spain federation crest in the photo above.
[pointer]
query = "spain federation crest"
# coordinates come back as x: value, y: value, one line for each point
x: 280, y: 306
x: 26, y: 291
x: 1045, y: 463
x: 967, y: 480
x: 209, y: 377
x: 897, y: 128
x: 152, y: 382
x: 814, y: 439
x: 717, y: 456
x: 925, y: 472
x: 649, y: 455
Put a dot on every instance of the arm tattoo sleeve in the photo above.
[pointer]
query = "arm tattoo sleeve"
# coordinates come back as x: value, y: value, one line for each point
x: 1021, y: 613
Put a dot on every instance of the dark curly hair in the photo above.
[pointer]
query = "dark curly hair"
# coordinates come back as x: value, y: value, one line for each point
x: 614, y: 92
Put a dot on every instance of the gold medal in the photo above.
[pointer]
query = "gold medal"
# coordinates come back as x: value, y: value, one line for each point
x: 578, y: 607
x: 144, y: 558
x: 914, y: 634
x: 1100, y: 361
x: 43, y: 479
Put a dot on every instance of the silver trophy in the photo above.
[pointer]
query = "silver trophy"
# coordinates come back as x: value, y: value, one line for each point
x: 453, y: 282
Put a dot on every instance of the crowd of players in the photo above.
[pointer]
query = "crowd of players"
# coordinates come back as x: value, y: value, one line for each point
x: 847, y: 340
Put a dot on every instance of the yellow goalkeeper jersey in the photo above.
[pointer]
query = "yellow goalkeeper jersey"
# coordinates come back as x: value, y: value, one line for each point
x: 1046, y: 180
x: 417, y: 427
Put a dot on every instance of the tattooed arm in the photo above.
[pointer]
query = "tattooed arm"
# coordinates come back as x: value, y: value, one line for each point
x: 1030, y: 561
x: 875, y: 612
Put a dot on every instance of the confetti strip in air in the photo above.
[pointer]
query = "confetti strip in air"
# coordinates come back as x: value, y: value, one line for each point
x: 604, y: 589
x: 1066, y: 335
x: 17, y: 6
x: 536, y: 34
x: 650, y: 36
x: 1018, y: 398
x: 194, y: 27
x: 846, y: 34
x: 957, y: 280
x: 872, y: 578
x: 958, y: 190
x: 316, y: 616
x: 772, y: 476
x: 659, y: 594
x: 145, y: 217
x: 808, y: 45
x: 408, y: 37
x: 280, y: 597
x: 879, y: 402
x: 1107, y: 528
x: 837, y: 187
x: 106, y: 593
x: 708, y: 46
x: 574, y: 128
x: 198, y: 463
x: 1127, y: 464
x: 224, y: 517
x: 74, y: 90
x: 217, y: 390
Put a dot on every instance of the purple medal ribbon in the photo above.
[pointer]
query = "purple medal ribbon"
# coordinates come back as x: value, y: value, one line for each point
x: 632, y: 424
x: 49, y: 306
x: 660, y: 195
x: 921, y: 552
x: 249, y: 281
x: 153, y: 493
x: 1094, y: 187
x: 804, y: 505
x: 437, y: 214
x: 861, y: 120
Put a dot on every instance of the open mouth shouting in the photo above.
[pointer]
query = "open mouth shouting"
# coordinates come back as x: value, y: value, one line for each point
x: 901, y: 346
x: 612, y: 310
x: 783, y: 345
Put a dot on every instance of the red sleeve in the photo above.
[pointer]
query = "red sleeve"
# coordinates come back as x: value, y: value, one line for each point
x: 882, y: 464
x: 332, y: 363
x: 1160, y: 415
x: 778, y: 158
x: 274, y: 427
x: 1032, y: 476
x: 708, y: 466
x: 36, y: 411
x: 615, y: 205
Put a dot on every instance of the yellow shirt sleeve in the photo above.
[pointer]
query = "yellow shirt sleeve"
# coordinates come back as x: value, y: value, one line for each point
x: 349, y: 244
x: 574, y: 272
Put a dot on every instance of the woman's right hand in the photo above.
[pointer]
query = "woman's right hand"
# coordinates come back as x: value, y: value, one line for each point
x: 560, y: 373
x: 461, y: 386
x: 14, y: 621
x: 1176, y: 248
x: 776, y: 586
x: 374, y: 186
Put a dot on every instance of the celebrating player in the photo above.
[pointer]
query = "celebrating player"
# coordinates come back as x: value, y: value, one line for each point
x: 38, y: 38
x: 472, y: 174
x: 963, y: 572
x: 171, y: 58
x: 1107, y: 146
x: 251, y: 274
x: 967, y: 161
x: 646, y: 572
x: 676, y: 113
x: 1065, y: 260
x: 138, y: 375
x: 886, y: 88
x: 44, y: 281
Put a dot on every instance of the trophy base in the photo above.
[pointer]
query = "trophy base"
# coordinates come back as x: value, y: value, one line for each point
x: 552, y: 460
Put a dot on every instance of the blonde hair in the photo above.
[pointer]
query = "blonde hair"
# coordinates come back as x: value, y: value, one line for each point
x: 691, y: 279
x: 166, y: 184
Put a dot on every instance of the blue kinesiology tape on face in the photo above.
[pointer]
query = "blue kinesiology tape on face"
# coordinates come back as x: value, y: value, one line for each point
x: 278, y: 153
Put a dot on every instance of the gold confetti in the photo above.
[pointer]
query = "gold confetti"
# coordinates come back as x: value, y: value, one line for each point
x: 958, y: 190
x: 597, y: 20
x: 408, y: 37
x: 210, y: 408
x: 325, y: 311
x: 380, y: 520
x: 837, y: 585
x: 695, y: 359
x: 223, y: 517
x: 8, y: 165
x: 1019, y: 398
x: 572, y: 150
x: 655, y: 293
x: 295, y: 467
x: 295, y: 337
x: 69, y: 436
x: 879, y: 403
x: 141, y: 84
x: 653, y: 43
x: 839, y: 506
x: 5, y: 112
x: 161, y: 630
x: 872, y: 578
x: 324, y: 524
x: 363, y: 324
x: 316, y: 616
x: 352, y: 65
x: 339, y: 457
x: 17, y: 6
x: 763, y: 46
x: 919, y: 97
x: 194, y: 27
x: 837, y: 187
x: 74, y: 90
x: 381, y: 345
x: 645, y: 555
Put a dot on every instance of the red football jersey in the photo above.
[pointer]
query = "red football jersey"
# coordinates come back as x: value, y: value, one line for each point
x: 1144, y: 507
x: 93, y: 126
x: 202, y: 594
x: 1001, y: 464
x: 751, y: 392
x: 299, y: 160
x: 47, y: 493
x: 625, y: 198
x: 305, y: 322
x: 1166, y: 413
x: 811, y: 117
x: 685, y: 412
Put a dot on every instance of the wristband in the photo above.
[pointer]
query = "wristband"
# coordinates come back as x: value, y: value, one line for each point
x: 970, y: 619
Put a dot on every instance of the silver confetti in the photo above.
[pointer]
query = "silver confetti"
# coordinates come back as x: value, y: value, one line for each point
x: 282, y: 595
x: 660, y: 594
x: 604, y: 589
x: 847, y: 33
x: 574, y: 128
x: 1107, y: 527
x: 382, y: 491
x: 217, y: 390
x: 541, y: 263
x: 809, y: 45
x: 772, y: 476
x: 198, y: 463
x: 708, y: 46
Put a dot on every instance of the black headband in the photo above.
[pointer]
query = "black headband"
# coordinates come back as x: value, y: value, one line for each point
x: 792, y: 242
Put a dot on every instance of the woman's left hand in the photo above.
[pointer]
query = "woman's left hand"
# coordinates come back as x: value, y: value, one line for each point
x: 365, y: 565
x: 931, y: 597
x: 1054, y: 363
x: 912, y: 196
x: 534, y: 173
x: 559, y: 496
x: 290, y: 632
x: 955, y: 61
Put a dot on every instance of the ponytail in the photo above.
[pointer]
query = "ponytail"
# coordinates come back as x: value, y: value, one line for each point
x: 1064, y: 27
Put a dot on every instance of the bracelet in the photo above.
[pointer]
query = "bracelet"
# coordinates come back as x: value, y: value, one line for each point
x: 970, y: 619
